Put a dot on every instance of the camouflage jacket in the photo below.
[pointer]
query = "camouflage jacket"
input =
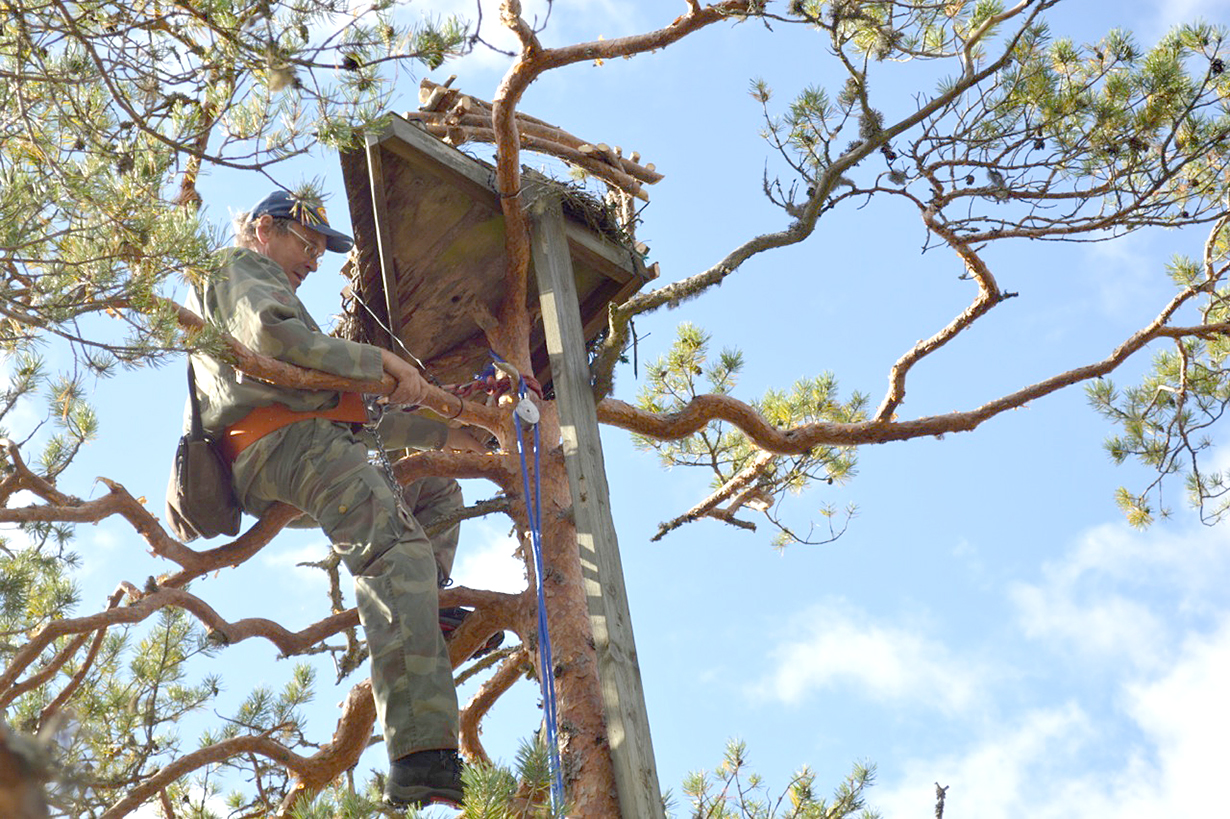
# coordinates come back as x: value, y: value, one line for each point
x: 251, y: 300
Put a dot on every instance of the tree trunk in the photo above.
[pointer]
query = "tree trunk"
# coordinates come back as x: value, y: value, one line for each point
x: 589, y: 776
x: 21, y: 788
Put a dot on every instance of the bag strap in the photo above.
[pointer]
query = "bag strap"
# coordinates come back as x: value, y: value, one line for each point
x: 197, y: 429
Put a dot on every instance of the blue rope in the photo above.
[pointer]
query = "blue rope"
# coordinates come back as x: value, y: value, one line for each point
x: 533, y: 510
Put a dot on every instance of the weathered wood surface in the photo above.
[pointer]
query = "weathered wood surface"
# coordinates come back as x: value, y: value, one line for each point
x: 384, y: 242
x: 623, y: 696
x: 427, y: 221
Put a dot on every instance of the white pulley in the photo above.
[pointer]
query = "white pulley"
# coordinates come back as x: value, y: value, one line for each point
x: 527, y: 411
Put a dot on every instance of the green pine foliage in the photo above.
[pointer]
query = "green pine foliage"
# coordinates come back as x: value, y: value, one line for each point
x: 735, y: 791
x: 113, y: 110
x: 1043, y: 138
x: 687, y: 371
x: 1166, y: 421
x: 1048, y: 140
x: 264, y: 712
x: 732, y: 791
x: 519, y: 791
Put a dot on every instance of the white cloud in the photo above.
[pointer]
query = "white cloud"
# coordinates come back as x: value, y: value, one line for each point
x: 290, y: 558
x: 839, y: 645
x: 1150, y: 740
x: 1185, y: 715
x: 1057, y: 763
x: 308, y: 583
x: 996, y: 778
x: 1112, y: 626
x: 486, y: 559
x: 1126, y: 595
x: 1126, y: 276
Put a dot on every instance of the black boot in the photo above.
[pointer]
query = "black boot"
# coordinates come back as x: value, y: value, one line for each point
x: 424, y: 778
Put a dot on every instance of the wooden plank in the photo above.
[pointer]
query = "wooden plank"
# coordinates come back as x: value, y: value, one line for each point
x: 430, y: 233
x: 614, y: 261
x: 422, y: 149
x: 384, y: 244
x: 431, y: 154
x: 636, y: 777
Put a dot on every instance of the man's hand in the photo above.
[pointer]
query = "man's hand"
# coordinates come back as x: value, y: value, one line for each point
x: 410, y: 387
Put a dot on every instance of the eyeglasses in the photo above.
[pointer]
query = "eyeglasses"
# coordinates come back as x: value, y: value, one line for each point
x: 313, y: 252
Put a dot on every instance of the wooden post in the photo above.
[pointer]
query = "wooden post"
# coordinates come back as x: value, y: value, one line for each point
x: 636, y: 776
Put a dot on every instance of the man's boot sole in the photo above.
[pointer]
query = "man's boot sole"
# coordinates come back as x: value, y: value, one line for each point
x: 420, y: 796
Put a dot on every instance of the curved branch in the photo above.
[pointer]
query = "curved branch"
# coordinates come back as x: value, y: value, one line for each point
x: 988, y: 297
x: 53, y: 707
x: 119, y: 501
x: 529, y: 65
x: 501, y: 469
x: 286, y: 641
x: 493, y: 611
x: 708, y: 507
x: 705, y: 408
x: 239, y: 550
x: 492, y: 608
x: 501, y: 503
x: 804, y: 224
x: 512, y: 669
x: 10, y: 692
x: 314, y: 772
x: 22, y: 477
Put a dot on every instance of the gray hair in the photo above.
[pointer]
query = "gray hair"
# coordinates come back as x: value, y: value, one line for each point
x: 245, y: 228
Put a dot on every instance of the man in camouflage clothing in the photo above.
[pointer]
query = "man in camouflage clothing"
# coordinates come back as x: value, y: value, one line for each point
x: 302, y: 447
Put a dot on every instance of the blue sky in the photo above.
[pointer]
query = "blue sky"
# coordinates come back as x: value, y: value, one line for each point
x: 987, y: 622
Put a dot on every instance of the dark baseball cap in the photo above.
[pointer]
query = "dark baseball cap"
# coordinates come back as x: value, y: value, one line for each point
x: 310, y: 214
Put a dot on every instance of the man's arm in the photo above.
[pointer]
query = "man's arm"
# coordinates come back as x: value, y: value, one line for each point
x: 253, y: 302
x: 410, y: 384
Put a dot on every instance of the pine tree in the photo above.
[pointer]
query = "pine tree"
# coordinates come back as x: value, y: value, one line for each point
x: 113, y: 112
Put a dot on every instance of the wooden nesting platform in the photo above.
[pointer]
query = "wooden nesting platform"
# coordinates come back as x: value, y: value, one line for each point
x: 430, y: 239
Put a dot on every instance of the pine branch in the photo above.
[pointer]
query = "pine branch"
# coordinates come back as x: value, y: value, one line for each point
x: 705, y: 408
x: 822, y: 187
x: 709, y: 506
x: 511, y: 669
x: 313, y: 773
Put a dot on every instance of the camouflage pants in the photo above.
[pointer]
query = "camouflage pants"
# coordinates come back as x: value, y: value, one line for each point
x: 429, y: 499
x: 322, y: 468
